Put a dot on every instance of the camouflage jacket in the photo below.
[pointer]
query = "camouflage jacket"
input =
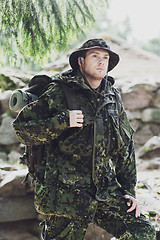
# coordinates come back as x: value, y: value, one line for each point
x: 101, y: 152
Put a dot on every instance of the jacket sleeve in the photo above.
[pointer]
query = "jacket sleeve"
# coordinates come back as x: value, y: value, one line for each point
x: 43, y: 120
x: 125, y: 159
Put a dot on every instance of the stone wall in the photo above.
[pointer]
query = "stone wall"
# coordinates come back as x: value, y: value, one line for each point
x: 141, y: 99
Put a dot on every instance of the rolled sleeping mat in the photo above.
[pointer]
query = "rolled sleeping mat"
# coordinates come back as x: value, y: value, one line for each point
x: 19, y: 99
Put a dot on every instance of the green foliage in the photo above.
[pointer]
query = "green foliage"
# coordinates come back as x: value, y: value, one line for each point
x: 142, y: 186
x: 33, y: 28
x: 6, y: 83
x: 147, y: 149
x: 152, y: 213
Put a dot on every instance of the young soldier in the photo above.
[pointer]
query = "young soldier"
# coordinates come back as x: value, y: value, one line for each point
x: 88, y: 173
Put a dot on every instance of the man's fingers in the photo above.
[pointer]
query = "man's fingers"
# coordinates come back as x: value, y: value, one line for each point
x: 138, y: 211
x: 127, y: 196
x: 128, y: 200
x: 79, y: 120
x: 132, y: 207
x: 77, y: 111
x: 135, y: 205
x: 80, y: 117
x: 76, y: 118
x: 132, y: 201
x: 128, y: 204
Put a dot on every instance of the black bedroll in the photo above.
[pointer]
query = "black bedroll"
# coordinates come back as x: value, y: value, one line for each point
x: 19, y: 99
x: 22, y: 97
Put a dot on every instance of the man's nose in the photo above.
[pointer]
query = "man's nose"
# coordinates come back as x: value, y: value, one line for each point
x: 101, y: 62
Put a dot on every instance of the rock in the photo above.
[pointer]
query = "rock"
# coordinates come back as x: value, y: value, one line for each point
x: 127, y: 84
x: 6, y: 82
x: 154, y: 164
x: 3, y: 156
x: 4, y: 101
x: 13, y: 157
x: 135, y: 124
x: 155, y: 128
x: 7, y: 134
x: 97, y: 232
x: 149, y: 87
x: 16, y: 199
x: 19, y: 77
x: 132, y: 115
x: 137, y: 99
x: 135, y: 62
x: 9, y: 168
x: 11, y: 184
x: 142, y: 135
x: 58, y: 65
x: 151, y: 115
x: 151, y: 148
x: 17, y: 208
x: 156, y: 100
x: 26, y: 230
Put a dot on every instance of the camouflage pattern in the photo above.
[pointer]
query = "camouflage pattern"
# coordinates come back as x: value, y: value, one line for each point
x: 83, y: 168
x: 113, y: 219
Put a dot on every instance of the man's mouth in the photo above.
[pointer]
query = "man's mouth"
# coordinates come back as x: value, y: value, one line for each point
x: 100, y: 69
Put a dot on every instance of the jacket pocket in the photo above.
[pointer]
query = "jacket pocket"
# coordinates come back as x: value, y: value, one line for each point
x: 42, y: 198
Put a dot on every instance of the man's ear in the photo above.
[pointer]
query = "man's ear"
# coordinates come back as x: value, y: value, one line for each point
x: 80, y: 61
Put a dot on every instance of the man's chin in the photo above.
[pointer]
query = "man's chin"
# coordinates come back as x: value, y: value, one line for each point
x: 100, y: 76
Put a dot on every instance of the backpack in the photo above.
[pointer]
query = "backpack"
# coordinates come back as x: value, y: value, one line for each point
x: 32, y: 156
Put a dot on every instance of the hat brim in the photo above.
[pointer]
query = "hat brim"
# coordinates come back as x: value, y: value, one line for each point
x: 113, y: 60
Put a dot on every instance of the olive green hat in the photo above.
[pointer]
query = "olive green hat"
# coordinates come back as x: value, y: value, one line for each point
x: 90, y: 44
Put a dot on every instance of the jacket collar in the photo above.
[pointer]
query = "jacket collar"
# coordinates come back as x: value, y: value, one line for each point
x: 70, y: 77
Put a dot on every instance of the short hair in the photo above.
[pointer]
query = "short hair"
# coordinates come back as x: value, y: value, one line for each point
x: 83, y: 54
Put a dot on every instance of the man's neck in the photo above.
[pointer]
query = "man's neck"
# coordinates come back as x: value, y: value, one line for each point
x: 94, y: 83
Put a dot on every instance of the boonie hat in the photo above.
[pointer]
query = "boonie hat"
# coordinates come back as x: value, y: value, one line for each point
x: 90, y: 44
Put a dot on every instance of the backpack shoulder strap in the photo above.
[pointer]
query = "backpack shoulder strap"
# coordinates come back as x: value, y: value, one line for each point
x: 72, y: 101
x: 71, y: 97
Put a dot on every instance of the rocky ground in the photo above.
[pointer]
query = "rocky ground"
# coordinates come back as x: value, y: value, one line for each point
x: 138, y: 78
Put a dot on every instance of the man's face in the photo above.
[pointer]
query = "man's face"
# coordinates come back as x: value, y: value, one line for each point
x: 95, y: 64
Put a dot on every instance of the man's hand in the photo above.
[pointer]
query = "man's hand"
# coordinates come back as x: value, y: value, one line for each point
x: 134, y: 205
x: 75, y: 118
